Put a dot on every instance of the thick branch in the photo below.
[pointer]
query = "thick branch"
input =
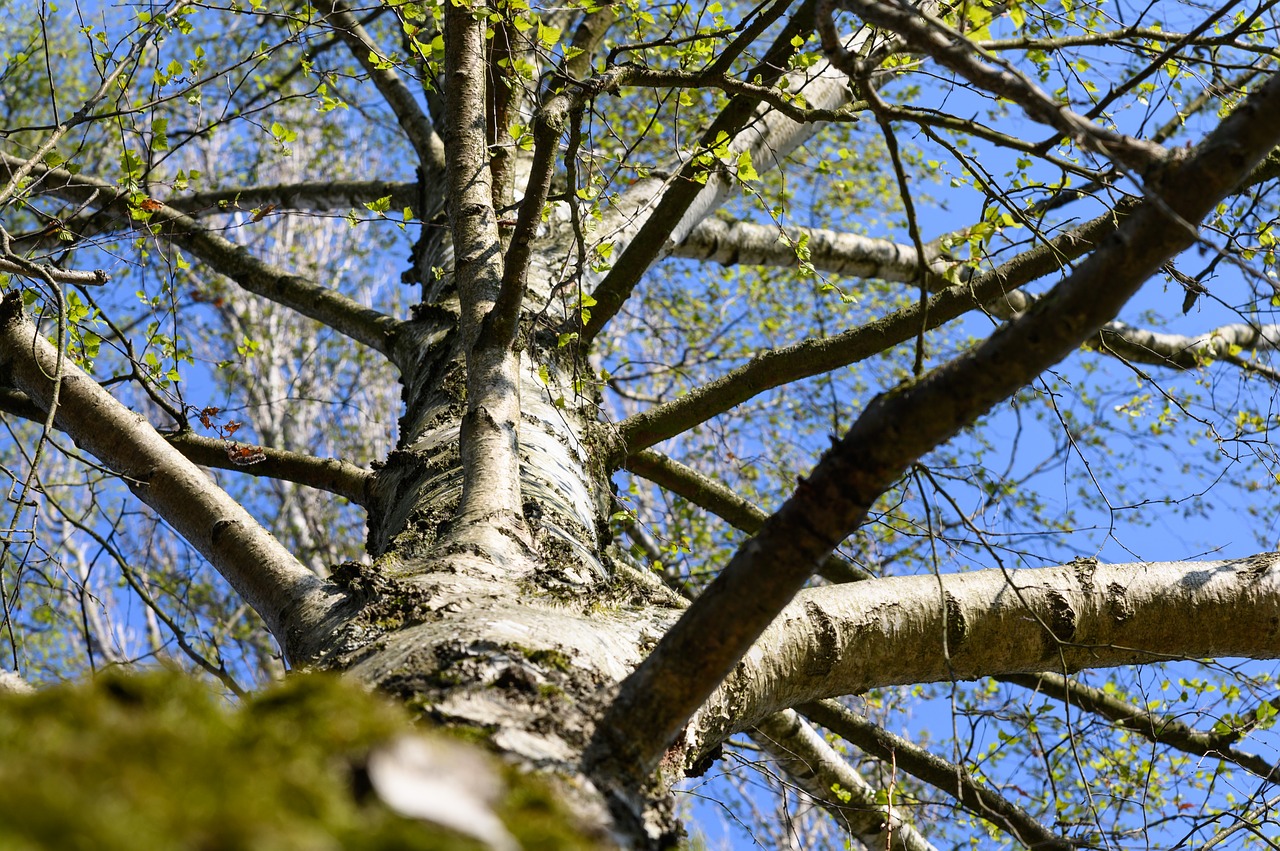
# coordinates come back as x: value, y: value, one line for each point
x: 319, y: 196
x: 280, y: 589
x: 63, y: 276
x: 490, y: 463
x: 898, y: 427
x: 829, y: 251
x: 846, y: 639
x: 824, y: 775
x: 946, y: 776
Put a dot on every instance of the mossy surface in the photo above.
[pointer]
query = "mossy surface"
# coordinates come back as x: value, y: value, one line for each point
x: 159, y: 761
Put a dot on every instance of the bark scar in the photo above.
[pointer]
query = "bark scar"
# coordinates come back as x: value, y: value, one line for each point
x: 827, y: 641
x: 219, y: 528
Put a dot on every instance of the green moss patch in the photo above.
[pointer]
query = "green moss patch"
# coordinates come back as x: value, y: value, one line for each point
x: 159, y: 761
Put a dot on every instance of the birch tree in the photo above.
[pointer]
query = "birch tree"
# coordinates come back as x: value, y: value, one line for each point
x: 706, y: 323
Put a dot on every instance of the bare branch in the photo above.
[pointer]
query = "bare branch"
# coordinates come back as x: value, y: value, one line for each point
x: 264, y: 573
x: 900, y: 426
x: 946, y: 776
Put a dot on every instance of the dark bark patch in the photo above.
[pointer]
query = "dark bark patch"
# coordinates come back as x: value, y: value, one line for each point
x: 1060, y: 620
x: 1084, y: 569
x: 1118, y: 605
x: 957, y: 628
x: 826, y: 641
x: 219, y: 529
x: 1256, y: 567
x: 386, y: 603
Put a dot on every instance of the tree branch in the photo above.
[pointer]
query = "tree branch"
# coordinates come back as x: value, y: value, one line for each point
x: 945, y: 776
x: 697, y: 191
x: 845, y: 639
x: 313, y: 196
x: 750, y: 244
x: 327, y: 474
x: 320, y: 196
x: 415, y: 123
x: 813, y: 357
x: 998, y: 292
x: 1139, y: 345
x: 278, y: 587
x: 1152, y: 726
x: 490, y: 462
x: 824, y: 775
x: 330, y: 307
x: 948, y: 48
x: 898, y: 427
x: 707, y: 493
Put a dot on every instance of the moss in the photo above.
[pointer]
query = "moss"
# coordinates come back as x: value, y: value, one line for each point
x: 159, y: 761
x: 551, y: 659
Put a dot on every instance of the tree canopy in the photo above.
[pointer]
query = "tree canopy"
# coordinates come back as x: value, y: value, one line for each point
x: 865, y: 403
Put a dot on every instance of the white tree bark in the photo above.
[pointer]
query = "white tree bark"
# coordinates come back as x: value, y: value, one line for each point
x: 846, y: 639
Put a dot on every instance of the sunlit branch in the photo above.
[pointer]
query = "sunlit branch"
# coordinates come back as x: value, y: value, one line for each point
x: 327, y: 306
x: 1152, y: 726
x: 845, y: 639
x: 709, y: 494
x: 827, y: 778
x: 1179, y: 351
x: 490, y: 465
x: 901, y: 425
x: 63, y: 276
x: 833, y: 252
x: 278, y: 587
x: 948, y: 777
